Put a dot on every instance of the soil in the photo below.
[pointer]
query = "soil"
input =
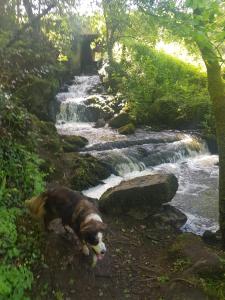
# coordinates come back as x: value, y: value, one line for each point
x: 136, y: 265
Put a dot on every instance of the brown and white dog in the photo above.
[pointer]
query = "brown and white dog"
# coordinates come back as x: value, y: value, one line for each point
x: 76, y: 211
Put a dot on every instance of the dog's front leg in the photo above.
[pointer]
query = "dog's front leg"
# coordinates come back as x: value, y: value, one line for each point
x: 94, y: 261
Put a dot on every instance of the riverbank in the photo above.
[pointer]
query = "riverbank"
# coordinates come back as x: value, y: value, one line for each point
x: 139, y: 264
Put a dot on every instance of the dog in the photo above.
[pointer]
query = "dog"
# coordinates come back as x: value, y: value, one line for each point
x: 77, y: 212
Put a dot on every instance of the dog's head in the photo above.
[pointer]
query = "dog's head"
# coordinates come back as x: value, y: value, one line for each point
x: 92, y: 233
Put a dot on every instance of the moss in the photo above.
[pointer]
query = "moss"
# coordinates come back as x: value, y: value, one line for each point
x: 127, y: 129
x: 120, y: 120
x: 87, y: 171
x: 182, y: 241
x: 213, y: 286
x: 38, y: 97
x: 73, y: 143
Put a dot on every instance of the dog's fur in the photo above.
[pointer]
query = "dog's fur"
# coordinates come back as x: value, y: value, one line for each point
x: 76, y: 211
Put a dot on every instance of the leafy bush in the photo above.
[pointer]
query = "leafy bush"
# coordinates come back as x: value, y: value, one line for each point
x: 15, y: 276
x: 19, y: 175
x: 13, y: 281
x: 14, y: 120
x: 162, y: 90
x: 8, y: 233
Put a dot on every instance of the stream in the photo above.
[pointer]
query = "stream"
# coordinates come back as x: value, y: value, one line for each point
x: 145, y: 152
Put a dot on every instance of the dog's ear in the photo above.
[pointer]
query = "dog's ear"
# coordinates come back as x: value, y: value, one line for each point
x: 103, y: 226
x: 92, y: 227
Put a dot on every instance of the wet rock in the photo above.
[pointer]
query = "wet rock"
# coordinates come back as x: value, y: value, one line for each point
x: 120, y: 120
x: 211, y: 143
x: 93, y: 99
x: 64, y: 88
x: 127, y: 129
x: 85, y: 171
x: 169, y: 216
x: 142, y: 195
x: 100, y: 123
x: 203, y: 260
x: 212, y: 237
x: 73, y: 143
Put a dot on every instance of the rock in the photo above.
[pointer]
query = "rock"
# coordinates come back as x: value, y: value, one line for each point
x: 143, y: 194
x: 184, y: 291
x: 64, y: 88
x: 171, y: 216
x: 127, y: 129
x: 212, y: 237
x: 38, y: 96
x: 191, y: 248
x: 120, y: 120
x: 211, y: 143
x: 86, y: 171
x: 73, y: 143
x: 100, y: 123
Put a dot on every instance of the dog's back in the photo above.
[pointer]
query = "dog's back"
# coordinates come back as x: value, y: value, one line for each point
x: 59, y: 202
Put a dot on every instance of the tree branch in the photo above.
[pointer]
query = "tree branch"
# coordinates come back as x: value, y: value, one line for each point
x: 19, y: 32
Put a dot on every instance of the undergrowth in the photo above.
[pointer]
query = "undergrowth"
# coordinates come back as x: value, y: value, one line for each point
x: 20, y: 178
x: 163, y: 91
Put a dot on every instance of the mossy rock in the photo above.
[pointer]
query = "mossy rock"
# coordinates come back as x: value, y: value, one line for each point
x: 211, y: 141
x: 87, y: 171
x: 127, y: 129
x: 120, y: 120
x: 203, y: 259
x: 38, y: 97
x: 46, y: 136
x: 73, y: 143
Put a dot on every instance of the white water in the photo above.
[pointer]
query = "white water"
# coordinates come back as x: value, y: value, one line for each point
x: 147, y: 152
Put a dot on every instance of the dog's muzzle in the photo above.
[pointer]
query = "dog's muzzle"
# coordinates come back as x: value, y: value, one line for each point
x: 99, y: 250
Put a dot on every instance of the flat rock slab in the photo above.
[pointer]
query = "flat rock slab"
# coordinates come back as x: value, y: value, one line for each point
x: 202, y: 259
x: 144, y: 195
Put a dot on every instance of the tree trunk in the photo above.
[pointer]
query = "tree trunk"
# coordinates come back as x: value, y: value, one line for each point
x: 217, y: 94
x: 32, y: 17
x: 109, y: 37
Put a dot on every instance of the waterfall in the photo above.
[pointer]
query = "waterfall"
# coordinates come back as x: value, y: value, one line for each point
x: 72, y: 103
x: 142, y: 153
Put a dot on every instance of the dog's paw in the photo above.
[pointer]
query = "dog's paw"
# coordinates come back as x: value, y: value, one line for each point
x: 94, y: 261
x: 85, y: 250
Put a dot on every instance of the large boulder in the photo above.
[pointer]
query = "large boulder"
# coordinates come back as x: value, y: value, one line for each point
x: 142, y: 195
x: 120, y: 120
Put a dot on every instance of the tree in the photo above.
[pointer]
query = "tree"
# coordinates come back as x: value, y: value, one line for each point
x: 201, y: 23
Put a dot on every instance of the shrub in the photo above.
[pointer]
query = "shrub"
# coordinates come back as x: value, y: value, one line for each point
x: 15, y: 276
x: 19, y: 175
x: 13, y: 281
x: 162, y: 90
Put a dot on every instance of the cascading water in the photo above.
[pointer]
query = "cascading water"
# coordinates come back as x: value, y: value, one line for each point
x: 145, y: 152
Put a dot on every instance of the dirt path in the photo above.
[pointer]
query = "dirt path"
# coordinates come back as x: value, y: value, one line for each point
x: 136, y: 265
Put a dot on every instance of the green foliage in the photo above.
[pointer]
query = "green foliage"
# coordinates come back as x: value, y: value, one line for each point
x: 163, y: 91
x: 214, y: 286
x: 14, y: 119
x: 13, y: 281
x: 19, y: 175
x: 17, y: 251
x: 8, y: 233
x: 181, y: 264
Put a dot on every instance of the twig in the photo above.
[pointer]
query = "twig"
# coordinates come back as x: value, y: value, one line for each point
x: 183, y: 280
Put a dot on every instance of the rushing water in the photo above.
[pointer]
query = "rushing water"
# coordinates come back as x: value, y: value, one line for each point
x: 145, y: 152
